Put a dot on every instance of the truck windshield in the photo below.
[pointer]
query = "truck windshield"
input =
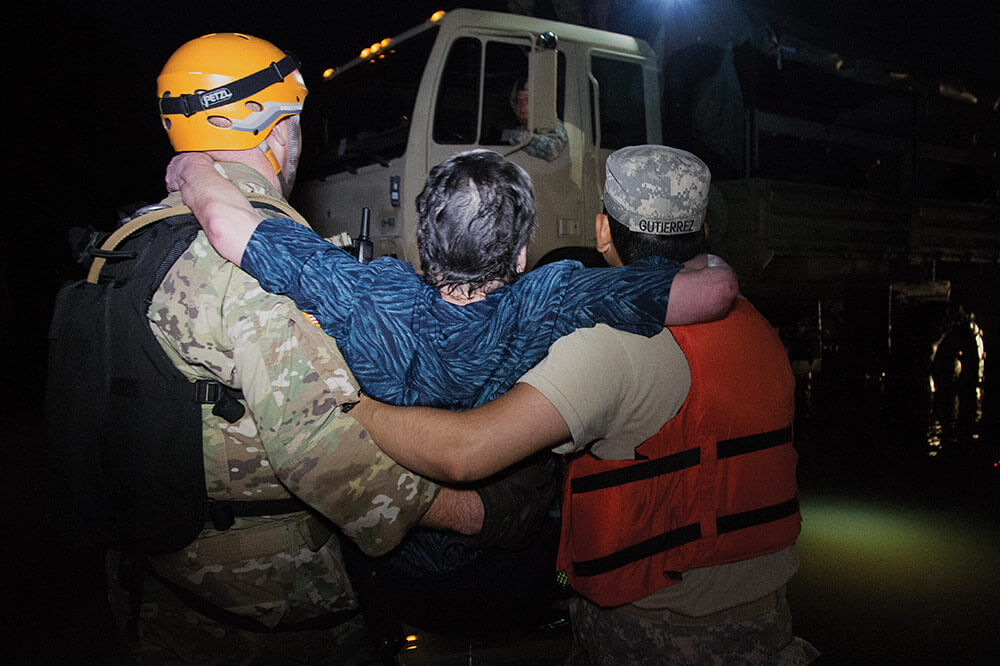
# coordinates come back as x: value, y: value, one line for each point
x: 362, y: 115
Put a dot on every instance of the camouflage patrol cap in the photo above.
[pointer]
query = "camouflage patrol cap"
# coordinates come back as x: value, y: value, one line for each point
x: 656, y: 189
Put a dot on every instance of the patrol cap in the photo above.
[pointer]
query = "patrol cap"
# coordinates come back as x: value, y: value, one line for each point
x: 656, y: 189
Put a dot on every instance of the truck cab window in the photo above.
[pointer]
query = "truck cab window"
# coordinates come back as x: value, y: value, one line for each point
x: 362, y: 115
x: 622, y: 102
x: 474, y: 102
x: 458, y: 96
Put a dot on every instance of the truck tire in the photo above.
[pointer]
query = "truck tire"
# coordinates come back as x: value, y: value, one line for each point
x: 936, y: 374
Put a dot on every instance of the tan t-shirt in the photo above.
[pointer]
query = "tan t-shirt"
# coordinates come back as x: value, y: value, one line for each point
x: 615, y: 390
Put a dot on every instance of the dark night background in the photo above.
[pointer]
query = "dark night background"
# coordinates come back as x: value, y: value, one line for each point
x: 83, y: 138
x: 86, y: 138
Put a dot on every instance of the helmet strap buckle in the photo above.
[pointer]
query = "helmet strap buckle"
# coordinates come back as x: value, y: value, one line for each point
x: 265, y: 148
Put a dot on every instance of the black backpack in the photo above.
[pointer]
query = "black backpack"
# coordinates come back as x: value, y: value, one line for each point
x: 124, y: 426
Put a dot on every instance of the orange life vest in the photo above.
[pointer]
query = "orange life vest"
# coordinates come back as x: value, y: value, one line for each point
x: 715, y: 485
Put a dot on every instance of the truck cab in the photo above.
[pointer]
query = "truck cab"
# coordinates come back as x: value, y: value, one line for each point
x: 379, y: 123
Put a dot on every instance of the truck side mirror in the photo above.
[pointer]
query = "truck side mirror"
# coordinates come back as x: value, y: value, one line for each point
x: 542, y: 82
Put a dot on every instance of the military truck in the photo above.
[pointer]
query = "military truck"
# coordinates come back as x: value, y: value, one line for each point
x: 834, y: 187
x: 407, y: 103
x: 858, y: 202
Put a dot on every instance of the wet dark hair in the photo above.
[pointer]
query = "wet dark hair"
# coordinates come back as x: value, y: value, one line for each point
x: 474, y: 215
x: 634, y: 245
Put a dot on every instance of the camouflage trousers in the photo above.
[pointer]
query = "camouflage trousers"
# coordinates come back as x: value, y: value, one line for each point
x: 756, y: 633
x: 170, y: 632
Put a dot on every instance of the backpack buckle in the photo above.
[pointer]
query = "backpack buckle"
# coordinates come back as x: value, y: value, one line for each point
x: 220, y: 514
x: 207, y: 392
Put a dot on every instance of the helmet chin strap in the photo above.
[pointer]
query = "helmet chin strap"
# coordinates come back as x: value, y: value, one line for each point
x: 286, y: 177
x: 265, y: 148
x: 283, y: 182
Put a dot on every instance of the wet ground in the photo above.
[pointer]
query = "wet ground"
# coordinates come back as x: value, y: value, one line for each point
x: 900, y: 553
x: 900, y: 546
x: 901, y: 536
x: 900, y: 565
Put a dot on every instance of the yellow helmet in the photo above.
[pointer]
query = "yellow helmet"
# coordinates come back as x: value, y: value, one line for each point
x: 225, y: 91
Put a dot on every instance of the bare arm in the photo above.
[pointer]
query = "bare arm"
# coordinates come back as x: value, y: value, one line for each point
x: 227, y: 217
x: 703, y: 291
x: 465, y: 446
x: 456, y: 510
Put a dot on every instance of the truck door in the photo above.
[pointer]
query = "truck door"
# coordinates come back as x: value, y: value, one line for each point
x: 624, y: 108
x: 475, y: 108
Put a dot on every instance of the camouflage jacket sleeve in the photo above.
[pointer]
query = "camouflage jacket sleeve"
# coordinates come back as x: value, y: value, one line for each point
x: 543, y: 145
x: 216, y: 323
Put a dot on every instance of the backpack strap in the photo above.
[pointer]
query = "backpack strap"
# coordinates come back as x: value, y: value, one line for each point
x: 126, y: 230
x: 134, y: 225
x: 220, y: 513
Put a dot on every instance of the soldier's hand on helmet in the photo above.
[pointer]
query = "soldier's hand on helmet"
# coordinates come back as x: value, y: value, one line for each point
x: 184, y: 168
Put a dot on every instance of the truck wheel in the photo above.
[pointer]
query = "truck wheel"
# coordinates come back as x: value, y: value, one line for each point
x: 937, y: 368
x: 957, y: 369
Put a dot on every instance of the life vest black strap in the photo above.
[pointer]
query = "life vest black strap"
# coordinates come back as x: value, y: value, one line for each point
x: 192, y: 103
x: 683, y: 535
x: 636, y: 472
x: 658, y: 544
x: 738, y: 446
x: 766, y: 514
x: 678, y: 461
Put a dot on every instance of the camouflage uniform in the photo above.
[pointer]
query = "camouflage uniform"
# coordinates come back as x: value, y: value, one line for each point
x: 215, y: 323
x: 759, y: 632
x: 543, y: 145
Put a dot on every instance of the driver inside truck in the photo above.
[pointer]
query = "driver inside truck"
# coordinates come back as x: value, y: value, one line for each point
x: 546, y: 145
